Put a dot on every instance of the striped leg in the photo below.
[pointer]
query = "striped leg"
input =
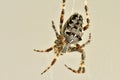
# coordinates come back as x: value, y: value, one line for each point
x: 53, y: 26
x: 62, y: 16
x: 47, y: 50
x: 78, y: 48
x: 87, y: 15
x: 52, y: 63
x: 87, y: 42
x: 81, y: 68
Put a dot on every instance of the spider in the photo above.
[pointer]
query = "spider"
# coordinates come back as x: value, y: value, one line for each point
x: 68, y: 37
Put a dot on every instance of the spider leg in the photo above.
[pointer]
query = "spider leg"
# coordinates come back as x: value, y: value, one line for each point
x: 52, y: 63
x: 87, y: 15
x: 53, y: 26
x: 47, y: 50
x: 81, y: 68
x: 62, y: 16
x: 87, y: 42
x: 78, y: 48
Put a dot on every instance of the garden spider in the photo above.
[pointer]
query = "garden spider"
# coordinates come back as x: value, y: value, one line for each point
x: 68, y: 37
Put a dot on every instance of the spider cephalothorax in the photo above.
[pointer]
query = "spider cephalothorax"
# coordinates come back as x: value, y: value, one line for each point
x: 70, y: 34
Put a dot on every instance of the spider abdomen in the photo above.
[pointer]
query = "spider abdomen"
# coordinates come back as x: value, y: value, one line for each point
x: 72, y: 30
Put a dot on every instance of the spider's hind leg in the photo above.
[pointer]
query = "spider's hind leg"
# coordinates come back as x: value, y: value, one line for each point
x: 87, y: 42
x: 78, y: 48
x: 52, y: 63
x: 81, y: 68
x: 47, y: 50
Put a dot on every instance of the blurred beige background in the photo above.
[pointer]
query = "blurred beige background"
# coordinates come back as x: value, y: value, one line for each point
x: 26, y: 24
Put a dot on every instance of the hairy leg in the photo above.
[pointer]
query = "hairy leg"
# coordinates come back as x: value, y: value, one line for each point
x: 62, y: 16
x: 78, y: 48
x: 53, y: 26
x: 87, y: 15
x: 81, y: 68
x: 47, y: 50
x: 52, y: 63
